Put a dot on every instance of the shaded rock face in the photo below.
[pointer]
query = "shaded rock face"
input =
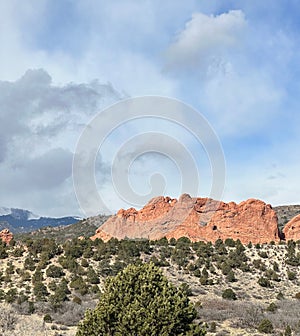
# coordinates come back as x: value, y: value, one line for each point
x: 291, y: 230
x: 197, y: 218
x: 6, y: 236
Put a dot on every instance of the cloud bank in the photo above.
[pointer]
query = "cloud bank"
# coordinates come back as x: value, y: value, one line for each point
x: 40, y: 124
x: 237, y: 63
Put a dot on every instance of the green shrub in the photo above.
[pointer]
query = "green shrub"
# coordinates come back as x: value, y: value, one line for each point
x: 263, y: 254
x: 280, y: 296
x: 291, y: 275
x: 25, y: 275
x: 229, y: 294
x: 220, y: 247
x: 37, y: 276
x: 31, y: 308
x: 84, y: 263
x: 288, y: 331
x: 245, y: 267
x: 59, y: 296
x: 186, y: 289
x: 140, y: 301
x: 230, y: 277
x: 271, y: 275
x: 79, y: 285
x: 29, y: 263
x: 3, y: 250
x: 47, y: 318
x: 272, y: 307
x: 265, y: 326
x: 18, y: 252
x: 54, y: 271
x: 292, y: 259
x: 2, y: 294
x: 203, y: 280
x: 52, y: 285
x: 225, y: 268
x: 40, y: 291
x: 264, y: 282
x: 92, y: 276
x: 258, y: 264
x: 77, y: 300
x: 275, y: 267
x: 229, y: 242
x: 11, y: 295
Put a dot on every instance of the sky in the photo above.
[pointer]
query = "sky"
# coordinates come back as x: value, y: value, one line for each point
x: 63, y: 62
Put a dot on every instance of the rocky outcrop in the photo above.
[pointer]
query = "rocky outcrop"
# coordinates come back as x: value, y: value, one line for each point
x: 197, y: 218
x: 6, y: 236
x: 291, y: 230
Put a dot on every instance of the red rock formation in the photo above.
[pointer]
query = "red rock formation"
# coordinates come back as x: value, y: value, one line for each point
x: 6, y: 236
x: 101, y: 235
x: 291, y: 230
x: 196, y: 218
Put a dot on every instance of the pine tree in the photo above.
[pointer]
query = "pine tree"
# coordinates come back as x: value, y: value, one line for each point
x: 141, y: 301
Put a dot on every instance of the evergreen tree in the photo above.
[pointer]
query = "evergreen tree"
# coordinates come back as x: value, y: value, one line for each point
x: 141, y: 301
x: 40, y: 291
x: 92, y: 276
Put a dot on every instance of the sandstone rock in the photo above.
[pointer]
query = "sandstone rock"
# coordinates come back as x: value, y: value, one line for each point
x: 197, y: 218
x: 101, y: 235
x: 291, y: 230
x: 6, y: 236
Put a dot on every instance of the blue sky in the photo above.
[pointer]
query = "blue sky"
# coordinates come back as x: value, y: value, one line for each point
x: 61, y: 62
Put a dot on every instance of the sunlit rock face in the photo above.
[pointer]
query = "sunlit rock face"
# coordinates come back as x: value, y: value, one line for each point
x: 196, y: 218
x: 291, y: 230
x: 6, y: 236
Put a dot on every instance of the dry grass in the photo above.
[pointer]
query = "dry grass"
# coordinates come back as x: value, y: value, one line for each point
x: 12, y: 324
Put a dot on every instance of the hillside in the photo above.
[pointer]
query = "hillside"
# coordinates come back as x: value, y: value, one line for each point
x: 85, y: 228
x: 285, y: 213
x: 64, y: 280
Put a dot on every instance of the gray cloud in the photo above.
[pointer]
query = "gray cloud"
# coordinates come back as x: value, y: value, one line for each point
x: 32, y: 106
x: 39, y: 126
x: 50, y: 169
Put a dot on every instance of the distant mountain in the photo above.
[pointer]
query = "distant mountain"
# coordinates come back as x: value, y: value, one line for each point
x: 19, y: 220
x: 84, y: 227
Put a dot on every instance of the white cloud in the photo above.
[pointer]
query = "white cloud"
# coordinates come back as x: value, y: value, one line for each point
x: 226, y: 65
x: 204, y: 39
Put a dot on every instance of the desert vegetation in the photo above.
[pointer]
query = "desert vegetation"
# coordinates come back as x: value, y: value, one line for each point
x: 234, y: 288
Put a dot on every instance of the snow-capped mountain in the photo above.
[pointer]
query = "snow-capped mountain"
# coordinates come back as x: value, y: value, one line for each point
x: 5, y: 211
x: 19, y: 220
